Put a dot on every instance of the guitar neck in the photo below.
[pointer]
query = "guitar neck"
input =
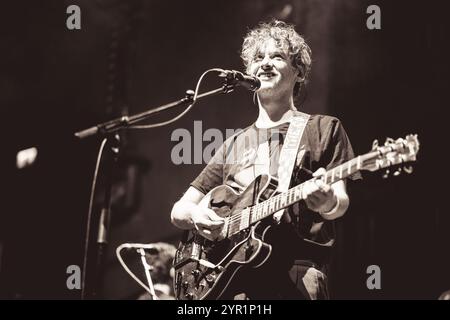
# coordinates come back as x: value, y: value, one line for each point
x: 293, y: 195
x: 392, y: 153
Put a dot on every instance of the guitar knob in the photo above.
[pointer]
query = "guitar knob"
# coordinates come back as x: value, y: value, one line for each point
x: 195, y: 273
x: 189, y: 296
x: 210, y: 278
x: 185, y: 285
x: 219, y: 269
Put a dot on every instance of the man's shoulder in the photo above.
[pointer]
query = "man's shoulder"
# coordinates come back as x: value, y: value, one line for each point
x: 323, y: 123
x: 323, y: 119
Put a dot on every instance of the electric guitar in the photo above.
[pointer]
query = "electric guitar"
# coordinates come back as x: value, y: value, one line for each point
x: 204, y: 268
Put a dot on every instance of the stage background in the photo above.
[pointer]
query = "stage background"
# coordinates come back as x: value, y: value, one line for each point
x: 133, y: 55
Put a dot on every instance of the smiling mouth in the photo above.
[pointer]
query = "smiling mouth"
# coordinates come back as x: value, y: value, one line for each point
x: 266, y: 75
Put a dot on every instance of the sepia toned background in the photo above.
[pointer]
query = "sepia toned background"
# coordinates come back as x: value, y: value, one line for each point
x: 133, y: 55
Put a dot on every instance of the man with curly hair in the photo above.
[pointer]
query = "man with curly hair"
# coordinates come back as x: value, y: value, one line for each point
x: 297, y: 269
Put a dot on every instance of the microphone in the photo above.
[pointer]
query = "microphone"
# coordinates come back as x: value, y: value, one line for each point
x: 237, y: 78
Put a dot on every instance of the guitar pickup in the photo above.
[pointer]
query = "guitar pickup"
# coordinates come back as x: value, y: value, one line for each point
x: 224, y: 232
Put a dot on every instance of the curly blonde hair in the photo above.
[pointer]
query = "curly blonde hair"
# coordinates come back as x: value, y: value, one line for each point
x: 285, y: 36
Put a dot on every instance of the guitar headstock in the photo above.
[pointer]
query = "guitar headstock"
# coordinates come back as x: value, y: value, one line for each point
x: 393, y: 152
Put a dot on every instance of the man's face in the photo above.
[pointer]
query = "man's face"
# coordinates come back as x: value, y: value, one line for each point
x: 272, y: 65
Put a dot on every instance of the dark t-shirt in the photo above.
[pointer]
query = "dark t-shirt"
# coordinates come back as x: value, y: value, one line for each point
x: 324, y: 144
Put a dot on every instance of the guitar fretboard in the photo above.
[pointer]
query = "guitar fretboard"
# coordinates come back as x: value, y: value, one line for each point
x: 283, y: 200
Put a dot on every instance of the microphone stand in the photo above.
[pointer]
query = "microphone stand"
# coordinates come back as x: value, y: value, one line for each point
x: 112, y: 151
x: 109, y: 130
x: 147, y: 269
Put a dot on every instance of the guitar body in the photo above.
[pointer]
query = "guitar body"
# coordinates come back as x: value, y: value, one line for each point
x: 204, y: 268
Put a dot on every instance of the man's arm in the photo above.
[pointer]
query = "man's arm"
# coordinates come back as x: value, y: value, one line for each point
x: 187, y: 214
x: 183, y: 208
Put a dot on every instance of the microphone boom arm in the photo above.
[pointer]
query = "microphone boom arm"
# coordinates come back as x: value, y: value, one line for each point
x: 125, y: 121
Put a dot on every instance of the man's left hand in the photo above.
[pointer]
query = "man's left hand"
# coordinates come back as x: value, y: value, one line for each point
x: 319, y: 196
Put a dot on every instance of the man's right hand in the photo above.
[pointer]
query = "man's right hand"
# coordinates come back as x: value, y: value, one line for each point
x: 207, y: 223
x: 187, y: 214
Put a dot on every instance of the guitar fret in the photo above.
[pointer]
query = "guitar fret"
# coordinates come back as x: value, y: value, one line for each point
x: 244, y: 220
x: 264, y: 210
x: 298, y: 193
x: 261, y: 211
x: 232, y: 228
x: 250, y: 215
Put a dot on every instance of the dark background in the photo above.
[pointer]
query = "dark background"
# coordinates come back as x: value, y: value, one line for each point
x: 133, y: 55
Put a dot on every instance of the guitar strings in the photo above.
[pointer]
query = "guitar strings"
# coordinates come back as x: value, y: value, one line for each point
x: 252, y: 209
x: 238, y: 217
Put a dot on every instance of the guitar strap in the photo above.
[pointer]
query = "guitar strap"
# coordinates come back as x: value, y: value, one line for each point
x: 289, y: 153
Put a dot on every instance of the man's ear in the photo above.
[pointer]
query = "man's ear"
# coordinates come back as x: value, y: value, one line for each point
x: 300, y: 75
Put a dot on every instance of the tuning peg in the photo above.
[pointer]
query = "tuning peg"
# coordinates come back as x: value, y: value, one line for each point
x: 408, y: 169
x: 375, y: 144
x: 388, y: 141
x: 397, y: 172
x: 386, y: 174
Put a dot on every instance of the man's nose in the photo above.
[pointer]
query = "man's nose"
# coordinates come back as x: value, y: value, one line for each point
x: 266, y: 63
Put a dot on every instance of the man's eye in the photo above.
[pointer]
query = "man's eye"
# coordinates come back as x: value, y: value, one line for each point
x: 258, y: 58
x: 277, y: 56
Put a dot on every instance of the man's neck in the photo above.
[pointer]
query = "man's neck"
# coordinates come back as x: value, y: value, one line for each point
x: 273, y: 113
